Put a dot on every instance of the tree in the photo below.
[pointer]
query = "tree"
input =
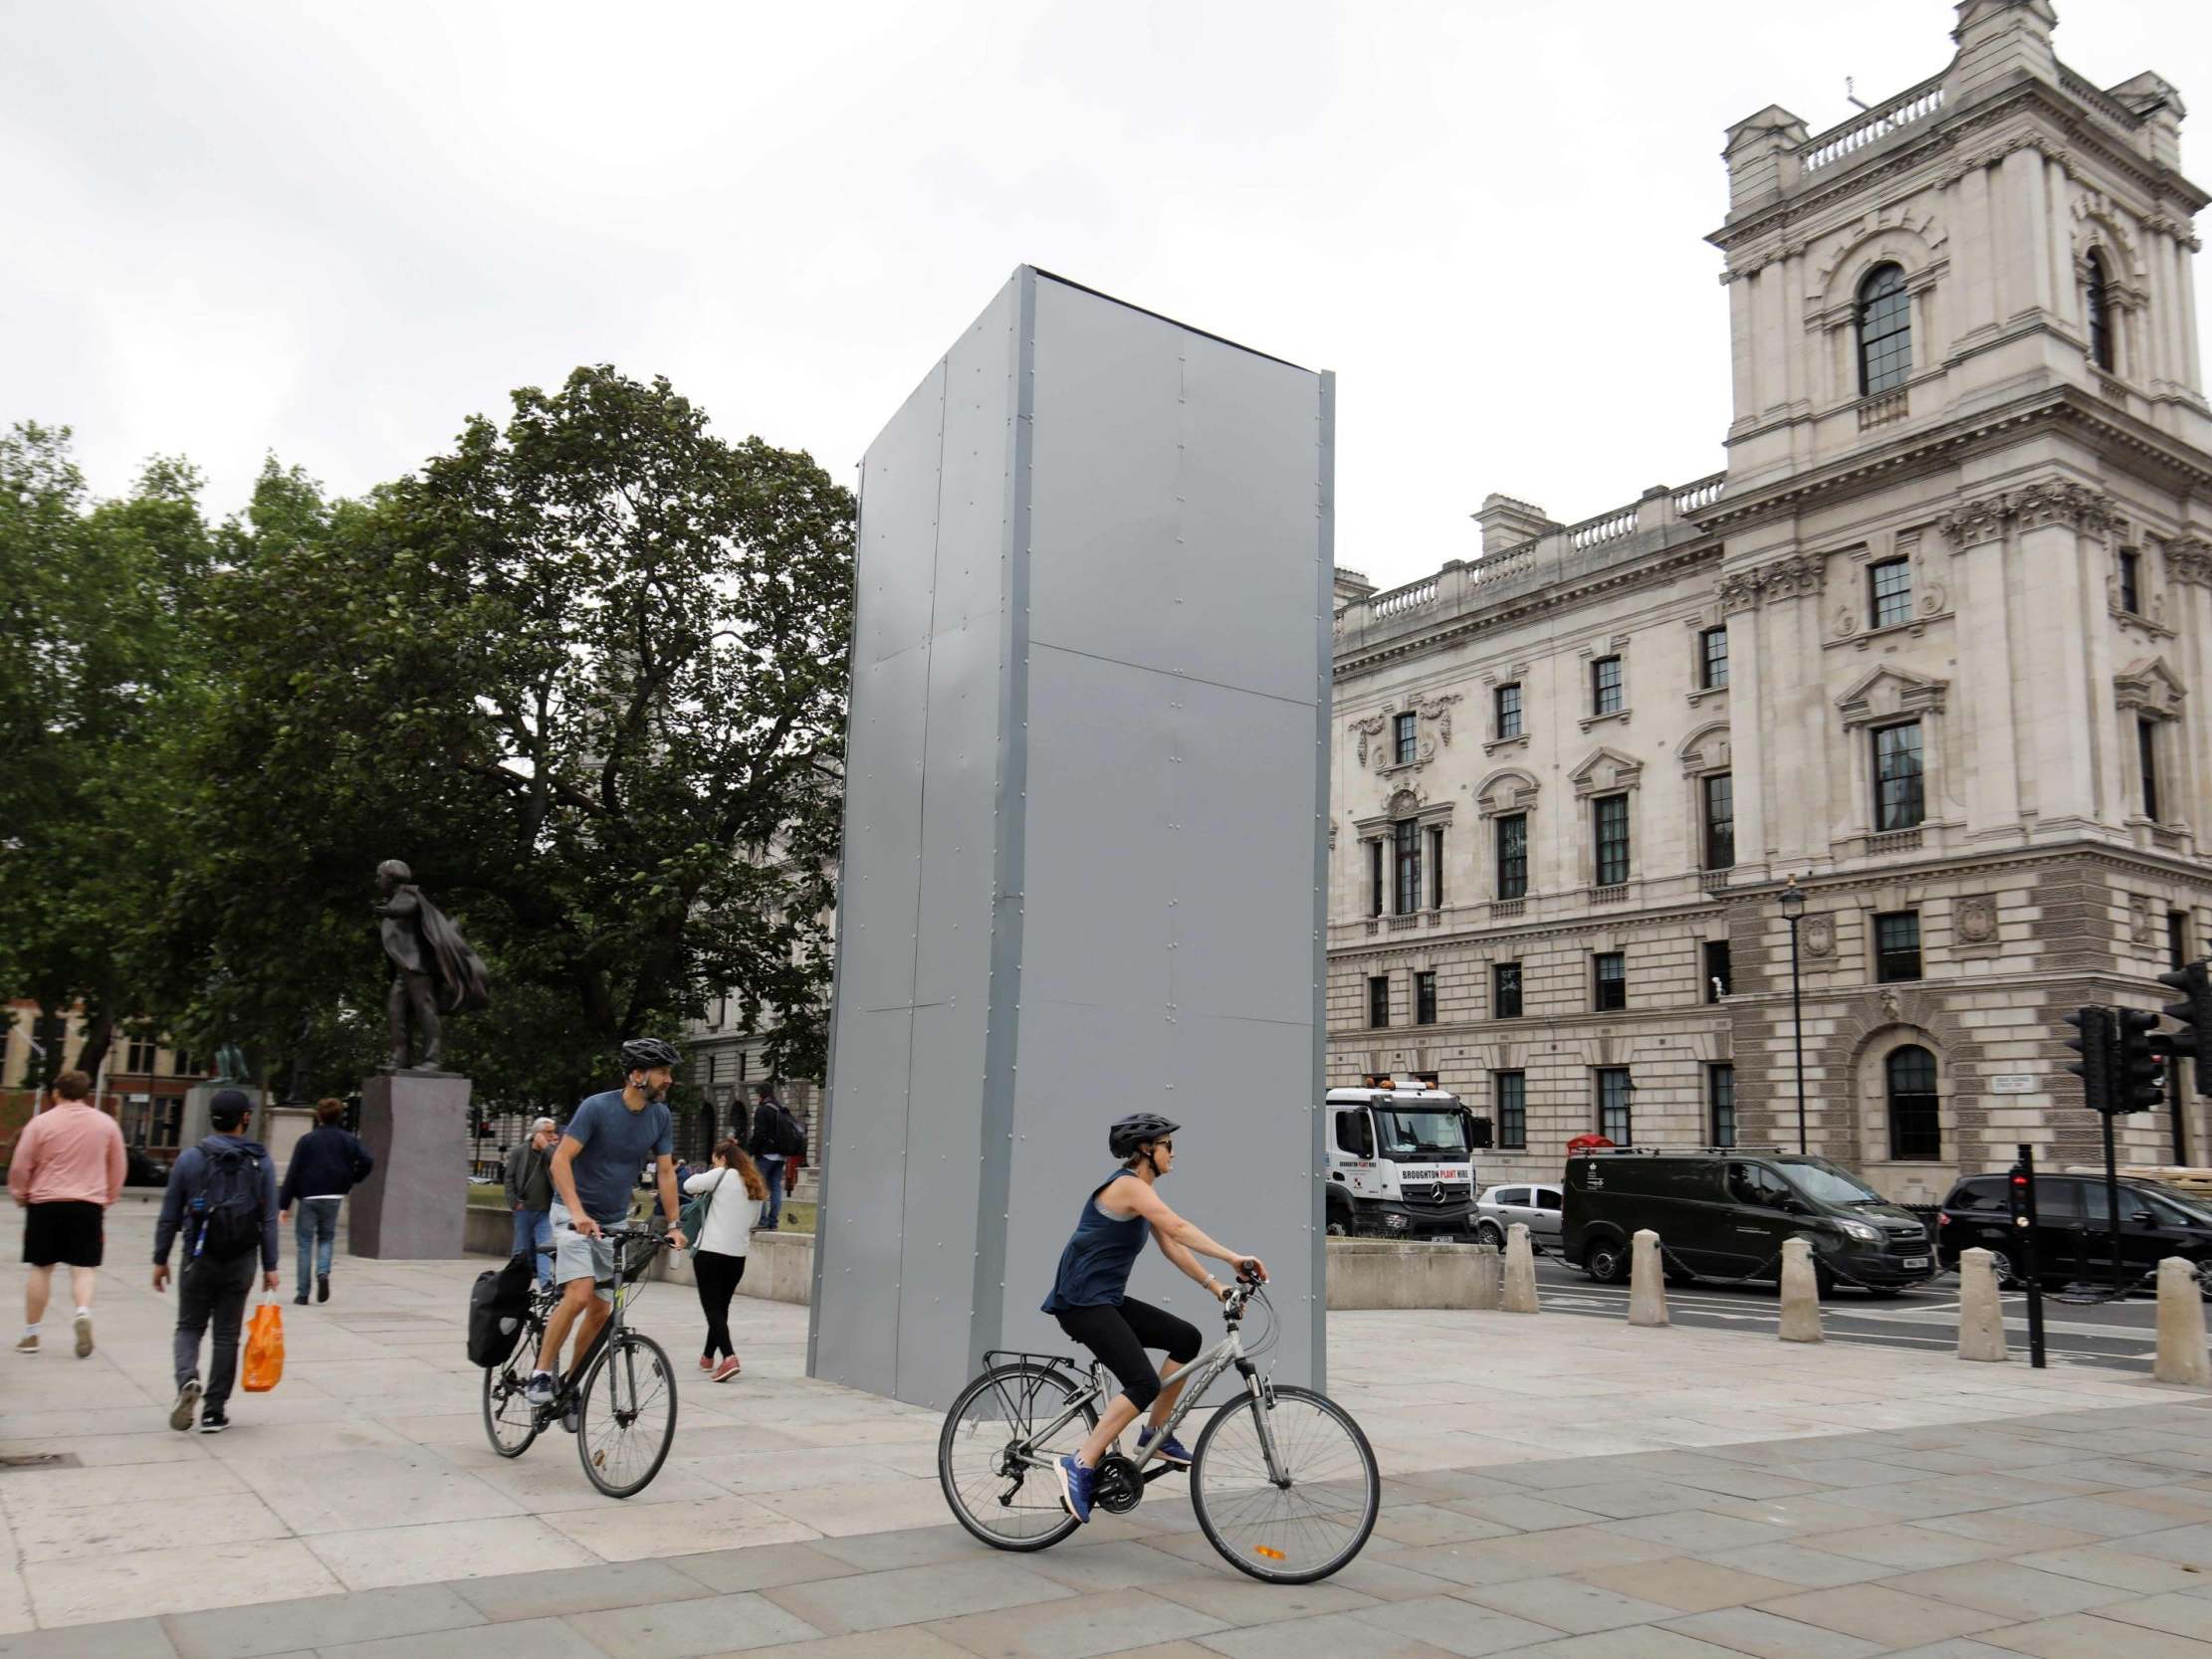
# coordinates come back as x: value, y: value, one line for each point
x: 587, y: 675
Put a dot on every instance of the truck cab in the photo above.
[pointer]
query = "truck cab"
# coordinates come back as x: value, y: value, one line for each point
x: 1400, y: 1157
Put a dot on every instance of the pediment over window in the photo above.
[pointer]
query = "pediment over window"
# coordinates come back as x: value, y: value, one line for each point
x: 1506, y: 790
x: 2149, y: 686
x: 1708, y: 749
x: 1605, y: 772
x: 1891, y: 693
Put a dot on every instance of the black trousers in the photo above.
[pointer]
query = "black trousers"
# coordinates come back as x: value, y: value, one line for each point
x: 1120, y: 1331
x: 718, y: 1277
x: 213, y: 1292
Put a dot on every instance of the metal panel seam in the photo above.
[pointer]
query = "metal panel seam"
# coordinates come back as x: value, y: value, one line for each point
x: 1324, y: 629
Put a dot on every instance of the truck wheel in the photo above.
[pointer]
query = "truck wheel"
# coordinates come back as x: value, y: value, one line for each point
x: 1605, y: 1261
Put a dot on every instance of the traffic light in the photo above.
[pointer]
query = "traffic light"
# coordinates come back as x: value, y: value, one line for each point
x: 2098, y: 1046
x: 2140, y: 1084
x: 2018, y: 1196
x: 2194, y: 1014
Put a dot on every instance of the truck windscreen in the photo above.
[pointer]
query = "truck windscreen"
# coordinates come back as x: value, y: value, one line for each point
x: 1416, y: 1133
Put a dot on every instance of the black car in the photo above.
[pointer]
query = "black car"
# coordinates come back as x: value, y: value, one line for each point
x: 143, y: 1170
x: 2074, y: 1235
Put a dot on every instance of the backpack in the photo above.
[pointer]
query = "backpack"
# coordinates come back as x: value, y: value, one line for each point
x: 692, y: 1222
x: 791, y: 1139
x: 229, y: 1205
x: 497, y: 1304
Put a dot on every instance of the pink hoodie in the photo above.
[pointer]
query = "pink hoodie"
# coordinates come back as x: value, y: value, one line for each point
x: 70, y: 1151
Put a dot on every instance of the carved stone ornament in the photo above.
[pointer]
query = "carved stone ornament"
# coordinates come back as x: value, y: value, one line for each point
x: 2138, y: 917
x: 2189, y: 559
x: 1788, y: 579
x: 1891, y: 1009
x: 2063, y: 501
x: 1974, y: 522
x: 1977, y: 919
x: 1372, y: 727
x: 1845, y: 622
x: 1437, y: 708
x: 1820, y: 936
x: 1739, y: 592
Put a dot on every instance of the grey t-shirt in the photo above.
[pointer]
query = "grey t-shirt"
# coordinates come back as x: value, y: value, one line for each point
x: 616, y: 1143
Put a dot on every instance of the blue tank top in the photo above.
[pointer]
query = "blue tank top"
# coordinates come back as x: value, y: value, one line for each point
x: 1094, y: 1268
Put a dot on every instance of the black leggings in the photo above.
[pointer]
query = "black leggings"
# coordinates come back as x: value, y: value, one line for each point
x: 1119, y: 1334
x: 717, y: 1276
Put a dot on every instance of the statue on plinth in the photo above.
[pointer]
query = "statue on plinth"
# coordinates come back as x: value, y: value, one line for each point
x: 434, y: 973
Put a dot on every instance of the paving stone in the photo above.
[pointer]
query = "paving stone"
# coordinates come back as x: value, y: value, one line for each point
x: 1638, y: 1641
x: 1906, y: 1549
x: 2018, y: 1592
x: 2178, y: 1615
x: 1423, y: 1524
x: 541, y: 1638
x: 1110, y: 1622
x: 917, y: 1594
x: 324, y: 1620
x: 1524, y: 1512
x: 576, y: 1589
x: 909, y: 1642
x: 1457, y: 1626
x: 1770, y: 1637
x: 910, y: 1546
x: 688, y: 1629
x: 1694, y: 1531
x: 2090, y: 1636
x: 1235, y: 1599
x: 763, y: 1567
x: 1883, y: 1615
x: 2115, y: 1564
x: 1331, y: 1636
x: 1800, y: 1564
x: 138, y: 1638
x: 1687, y: 1585
x: 1569, y: 1605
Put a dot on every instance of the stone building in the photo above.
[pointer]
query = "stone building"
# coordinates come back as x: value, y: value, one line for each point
x: 1928, y: 645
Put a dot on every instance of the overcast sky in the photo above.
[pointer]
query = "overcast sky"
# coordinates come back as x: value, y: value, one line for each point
x: 332, y: 232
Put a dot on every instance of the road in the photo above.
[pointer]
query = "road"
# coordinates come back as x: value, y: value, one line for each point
x: 2120, y: 1336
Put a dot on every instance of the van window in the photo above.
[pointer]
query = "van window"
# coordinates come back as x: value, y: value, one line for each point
x: 1752, y: 1183
x: 2059, y: 1200
x: 1985, y: 1194
x: 1352, y: 1136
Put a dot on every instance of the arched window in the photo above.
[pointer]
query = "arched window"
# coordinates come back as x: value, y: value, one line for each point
x: 1915, y: 1131
x: 1884, y: 331
x: 2100, y: 314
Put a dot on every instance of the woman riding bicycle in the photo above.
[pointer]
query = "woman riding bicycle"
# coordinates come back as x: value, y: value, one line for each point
x: 1089, y: 1301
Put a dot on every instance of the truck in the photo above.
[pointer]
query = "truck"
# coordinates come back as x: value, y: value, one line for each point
x: 1399, y: 1158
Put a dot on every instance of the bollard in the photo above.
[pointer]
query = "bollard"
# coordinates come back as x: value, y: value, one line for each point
x: 1647, y: 1283
x: 1801, y: 1294
x: 1520, y: 1272
x: 2181, y: 1355
x: 1981, y: 1321
x: 1490, y: 1270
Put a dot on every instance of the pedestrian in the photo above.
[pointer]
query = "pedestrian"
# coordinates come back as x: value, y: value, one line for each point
x: 67, y: 1169
x: 776, y: 1137
x: 529, y: 1195
x: 222, y: 1203
x: 328, y: 1162
x: 718, y: 1265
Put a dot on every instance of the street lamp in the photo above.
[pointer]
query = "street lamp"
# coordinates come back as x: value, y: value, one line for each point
x: 1793, y: 911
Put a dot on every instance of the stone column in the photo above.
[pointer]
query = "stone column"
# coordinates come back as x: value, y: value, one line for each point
x: 2181, y: 1351
x: 1981, y: 1321
x: 1520, y: 1272
x: 2047, y: 518
x: 1647, y: 1283
x: 1801, y: 1294
x: 1748, y: 748
x: 1984, y: 679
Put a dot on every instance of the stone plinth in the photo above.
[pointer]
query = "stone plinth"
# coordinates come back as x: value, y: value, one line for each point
x: 196, y: 1125
x: 1520, y: 1272
x: 1801, y: 1294
x: 2181, y: 1353
x: 1489, y: 1277
x: 282, y: 1128
x: 416, y: 1125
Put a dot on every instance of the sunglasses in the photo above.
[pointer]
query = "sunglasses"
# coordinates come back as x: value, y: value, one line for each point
x: 1164, y: 1145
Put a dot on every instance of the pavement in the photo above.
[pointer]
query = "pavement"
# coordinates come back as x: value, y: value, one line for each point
x: 1560, y: 1485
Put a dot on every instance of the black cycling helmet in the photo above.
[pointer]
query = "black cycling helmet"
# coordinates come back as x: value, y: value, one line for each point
x: 1129, y: 1133
x: 642, y: 1054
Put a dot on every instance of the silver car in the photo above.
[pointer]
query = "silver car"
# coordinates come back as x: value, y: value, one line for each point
x: 1500, y: 1206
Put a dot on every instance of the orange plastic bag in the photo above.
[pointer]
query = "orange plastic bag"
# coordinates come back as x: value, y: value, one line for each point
x: 264, y: 1364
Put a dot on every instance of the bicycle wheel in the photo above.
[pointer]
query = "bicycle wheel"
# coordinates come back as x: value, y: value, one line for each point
x: 1011, y: 1506
x: 1312, y: 1520
x: 626, y: 1415
x: 508, y: 1420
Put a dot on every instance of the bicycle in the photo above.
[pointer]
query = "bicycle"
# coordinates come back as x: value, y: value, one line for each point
x: 611, y: 1400
x: 1283, y: 1480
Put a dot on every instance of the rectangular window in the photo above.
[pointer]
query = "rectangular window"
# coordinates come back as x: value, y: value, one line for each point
x: 1712, y: 658
x: 1608, y: 981
x: 1435, y: 867
x: 1614, y: 1119
x: 2177, y: 938
x: 1720, y: 821
x: 1897, y: 946
x: 1510, y: 1091
x: 1403, y: 739
x: 1899, y: 803
x: 1505, y: 991
x: 1605, y: 686
x: 2146, y: 751
x: 1425, y: 999
x: 139, y: 1061
x: 1720, y: 1091
x: 1890, y: 586
x: 1374, y: 878
x: 1406, y: 865
x: 1378, y: 1000
x: 1718, y: 980
x: 2130, y: 582
x: 1512, y: 855
x: 1611, y: 820
x: 1508, y: 701
x: 181, y: 1065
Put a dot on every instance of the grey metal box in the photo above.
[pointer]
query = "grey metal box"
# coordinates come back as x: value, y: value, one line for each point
x: 1084, y: 816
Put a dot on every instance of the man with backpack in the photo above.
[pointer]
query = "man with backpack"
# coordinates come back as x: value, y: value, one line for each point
x: 777, y: 1138
x: 222, y: 1203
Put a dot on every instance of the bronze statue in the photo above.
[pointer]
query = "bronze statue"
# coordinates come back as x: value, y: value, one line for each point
x: 424, y: 946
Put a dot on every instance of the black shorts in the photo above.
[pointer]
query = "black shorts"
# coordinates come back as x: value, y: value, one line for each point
x: 67, y: 1231
x: 1120, y: 1331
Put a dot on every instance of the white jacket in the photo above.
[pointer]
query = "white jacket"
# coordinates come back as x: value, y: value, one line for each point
x: 729, y: 1216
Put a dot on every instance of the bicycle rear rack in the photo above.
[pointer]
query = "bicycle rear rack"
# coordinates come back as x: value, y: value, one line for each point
x: 993, y: 1356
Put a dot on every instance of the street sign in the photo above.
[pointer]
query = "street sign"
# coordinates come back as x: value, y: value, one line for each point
x: 2015, y: 1083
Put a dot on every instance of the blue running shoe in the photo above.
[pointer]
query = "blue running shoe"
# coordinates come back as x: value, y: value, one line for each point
x: 1076, y: 1483
x: 1170, y: 1449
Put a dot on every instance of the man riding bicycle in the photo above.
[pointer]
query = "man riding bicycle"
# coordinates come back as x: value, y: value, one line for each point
x: 595, y: 1172
x: 1089, y: 1300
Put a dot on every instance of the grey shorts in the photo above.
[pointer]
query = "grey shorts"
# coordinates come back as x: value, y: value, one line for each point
x: 577, y: 1257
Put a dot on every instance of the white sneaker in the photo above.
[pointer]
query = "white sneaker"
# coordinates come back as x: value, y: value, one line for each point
x: 84, y: 1336
x: 187, y: 1401
x: 540, y: 1390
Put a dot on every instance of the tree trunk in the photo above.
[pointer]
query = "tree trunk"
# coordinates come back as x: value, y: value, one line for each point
x: 99, y: 1036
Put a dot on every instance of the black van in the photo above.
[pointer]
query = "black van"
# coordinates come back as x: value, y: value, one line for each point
x: 1724, y: 1213
x: 2074, y: 1235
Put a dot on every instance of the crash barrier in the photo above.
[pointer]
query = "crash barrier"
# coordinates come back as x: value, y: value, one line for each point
x: 1393, y: 1273
x: 1520, y: 1272
x: 2181, y: 1351
x: 1647, y: 1280
x: 1801, y: 1294
x: 1489, y: 1277
x: 1981, y: 1320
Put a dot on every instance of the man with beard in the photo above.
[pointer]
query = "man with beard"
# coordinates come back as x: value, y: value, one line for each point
x: 594, y: 1173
